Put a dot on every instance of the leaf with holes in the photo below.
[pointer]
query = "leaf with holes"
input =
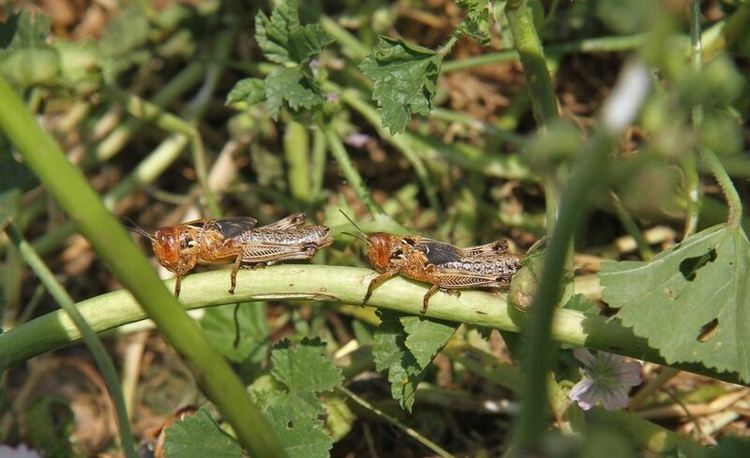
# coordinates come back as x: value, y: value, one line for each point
x: 690, y: 301
x: 289, y: 396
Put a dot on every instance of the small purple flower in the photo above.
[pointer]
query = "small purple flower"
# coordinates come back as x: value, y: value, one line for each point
x: 332, y: 97
x: 607, y: 378
x: 357, y: 140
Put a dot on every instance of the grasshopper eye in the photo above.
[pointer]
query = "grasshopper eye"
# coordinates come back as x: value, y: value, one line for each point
x: 192, y: 243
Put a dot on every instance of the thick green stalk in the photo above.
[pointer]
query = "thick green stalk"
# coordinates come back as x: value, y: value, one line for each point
x: 349, y: 171
x: 540, y: 352
x: 347, y: 285
x: 296, y: 153
x: 529, y: 47
x: 89, y: 336
x: 68, y: 186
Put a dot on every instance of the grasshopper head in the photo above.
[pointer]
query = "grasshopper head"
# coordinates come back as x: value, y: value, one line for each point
x: 174, y: 247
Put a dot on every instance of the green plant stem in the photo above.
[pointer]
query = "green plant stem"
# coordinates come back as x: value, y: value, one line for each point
x: 529, y: 47
x: 296, y: 153
x: 689, y: 166
x: 347, y: 285
x: 712, y: 163
x: 400, y: 141
x: 349, y: 43
x: 89, y: 336
x: 632, y: 228
x: 652, y: 437
x: 395, y: 422
x: 148, y: 111
x: 68, y: 186
x: 318, y: 164
x: 348, y: 170
x: 601, y: 44
x: 145, y: 172
x: 539, y: 354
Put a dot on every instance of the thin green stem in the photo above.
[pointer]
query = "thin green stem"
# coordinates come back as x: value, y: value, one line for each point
x: 89, y: 336
x: 600, y: 44
x: 349, y: 171
x: 400, y: 141
x: 689, y: 164
x: 68, y: 186
x: 631, y: 227
x: 344, y: 285
x: 446, y: 48
x: 539, y: 354
x: 395, y: 422
x: 349, y: 43
x: 712, y: 163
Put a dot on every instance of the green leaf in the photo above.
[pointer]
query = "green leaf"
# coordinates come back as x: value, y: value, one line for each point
x: 305, y: 367
x: 426, y: 337
x: 24, y: 30
x: 582, y: 304
x: 198, y: 436
x: 248, y: 90
x: 405, y: 78
x: 403, y: 347
x: 283, y: 40
x: 219, y: 325
x: 289, y: 397
x: 476, y: 24
x: 293, y: 86
x: 690, y: 301
x: 299, y: 434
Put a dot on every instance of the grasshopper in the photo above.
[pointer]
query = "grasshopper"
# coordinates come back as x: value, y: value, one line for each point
x: 444, y: 266
x: 235, y: 239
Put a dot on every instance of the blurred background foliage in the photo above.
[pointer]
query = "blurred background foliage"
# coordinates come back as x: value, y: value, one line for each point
x: 144, y: 98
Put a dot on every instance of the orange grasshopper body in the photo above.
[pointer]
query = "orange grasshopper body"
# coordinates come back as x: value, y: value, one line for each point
x: 236, y: 239
x: 441, y: 264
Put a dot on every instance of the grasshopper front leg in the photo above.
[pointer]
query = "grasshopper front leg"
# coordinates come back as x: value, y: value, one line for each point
x: 375, y: 282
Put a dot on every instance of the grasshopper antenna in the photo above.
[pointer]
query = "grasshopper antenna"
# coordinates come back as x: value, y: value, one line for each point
x: 132, y: 226
x: 366, y: 238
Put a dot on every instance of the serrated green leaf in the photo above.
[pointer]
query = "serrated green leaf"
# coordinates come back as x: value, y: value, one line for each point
x: 198, y: 436
x: 248, y: 90
x: 283, y: 40
x: 426, y: 337
x: 476, y: 24
x: 582, y: 304
x: 300, y: 434
x: 405, y: 80
x: 219, y: 325
x: 293, y: 86
x: 690, y: 301
x: 24, y: 30
x: 392, y: 356
x: 305, y: 367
